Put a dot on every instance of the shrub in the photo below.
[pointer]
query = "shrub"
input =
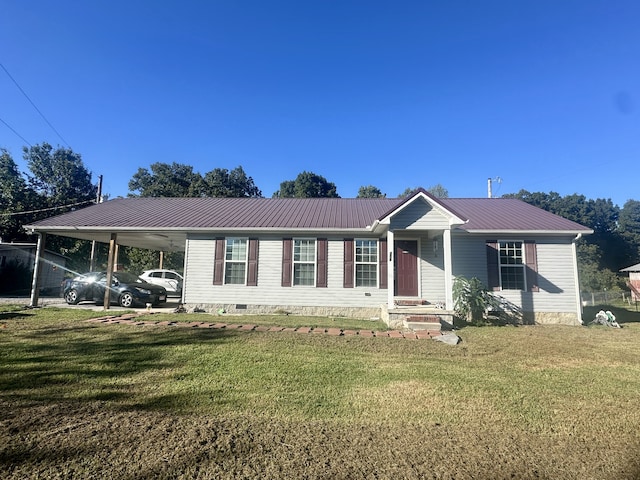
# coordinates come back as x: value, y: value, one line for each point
x: 472, y: 300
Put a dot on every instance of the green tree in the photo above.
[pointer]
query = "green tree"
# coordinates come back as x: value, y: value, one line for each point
x: 58, y: 176
x: 594, y: 278
x: 137, y: 260
x: 630, y: 228
x: 601, y: 254
x: 15, y: 198
x: 60, y: 182
x: 407, y: 192
x: 601, y: 215
x: 370, y: 192
x: 307, y: 185
x: 221, y: 182
x: 166, y: 180
x: 180, y: 180
x: 438, y: 191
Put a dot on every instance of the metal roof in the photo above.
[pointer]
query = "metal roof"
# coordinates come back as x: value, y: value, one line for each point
x: 509, y: 215
x: 226, y: 213
x: 482, y: 214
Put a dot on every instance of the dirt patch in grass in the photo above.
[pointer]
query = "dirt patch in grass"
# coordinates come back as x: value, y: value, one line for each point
x: 90, y: 441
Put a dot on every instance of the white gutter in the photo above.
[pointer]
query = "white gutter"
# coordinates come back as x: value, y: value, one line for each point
x: 529, y: 232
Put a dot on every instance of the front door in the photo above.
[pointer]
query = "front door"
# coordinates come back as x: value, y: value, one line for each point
x: 406, y: 267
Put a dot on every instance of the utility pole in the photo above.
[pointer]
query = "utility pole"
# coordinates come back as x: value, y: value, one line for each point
x: 490, y: 185
x: 92, y: 264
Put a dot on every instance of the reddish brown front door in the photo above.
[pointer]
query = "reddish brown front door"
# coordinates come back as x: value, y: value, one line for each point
x: 406, y: 281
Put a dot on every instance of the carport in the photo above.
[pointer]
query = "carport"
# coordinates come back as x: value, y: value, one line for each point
x: 119, y: 222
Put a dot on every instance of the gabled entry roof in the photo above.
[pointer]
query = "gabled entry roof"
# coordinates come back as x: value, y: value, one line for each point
x: 161, y: 223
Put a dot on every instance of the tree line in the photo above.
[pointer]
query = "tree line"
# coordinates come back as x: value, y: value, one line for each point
x: 58, y: 181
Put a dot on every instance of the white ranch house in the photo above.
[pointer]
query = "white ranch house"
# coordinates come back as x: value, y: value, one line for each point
x: 394, y: 259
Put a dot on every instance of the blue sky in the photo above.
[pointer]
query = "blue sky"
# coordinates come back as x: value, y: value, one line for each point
x: 543, y: 94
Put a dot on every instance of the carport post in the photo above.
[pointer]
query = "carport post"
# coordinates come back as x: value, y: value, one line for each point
x: 110, y: 262
x: 35, y: 282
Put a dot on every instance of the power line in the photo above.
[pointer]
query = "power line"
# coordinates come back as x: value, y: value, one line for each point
x: 45, y: 209
x: 34, y: 106
x: 14, y: 131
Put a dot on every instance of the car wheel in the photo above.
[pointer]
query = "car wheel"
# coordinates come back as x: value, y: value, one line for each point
x: 126, y: 300
x: 71, y: 297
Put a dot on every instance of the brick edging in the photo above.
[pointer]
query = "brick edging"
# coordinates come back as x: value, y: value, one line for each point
x: 133, y: 319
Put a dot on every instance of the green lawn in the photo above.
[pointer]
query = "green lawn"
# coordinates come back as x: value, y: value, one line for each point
x: 86, y: 400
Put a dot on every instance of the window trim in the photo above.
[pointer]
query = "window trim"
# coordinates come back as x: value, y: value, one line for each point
x: 375, y: 263
x: 295, y: 262
x: 523, y: 265
x: 245, y: 261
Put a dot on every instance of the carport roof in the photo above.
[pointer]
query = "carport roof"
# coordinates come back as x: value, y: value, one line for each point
x: 632, y: 268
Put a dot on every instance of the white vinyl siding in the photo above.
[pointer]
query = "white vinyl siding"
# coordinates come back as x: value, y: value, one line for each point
x: 555, y: 272
x: 469, y: 259
x: 199, y: 288
x: 420, y: 215
x: 432, y: 271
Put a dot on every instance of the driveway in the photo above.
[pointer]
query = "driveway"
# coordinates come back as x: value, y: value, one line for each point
x: 168, y: 307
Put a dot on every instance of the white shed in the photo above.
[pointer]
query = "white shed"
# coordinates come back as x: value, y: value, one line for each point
x: 634, y: 280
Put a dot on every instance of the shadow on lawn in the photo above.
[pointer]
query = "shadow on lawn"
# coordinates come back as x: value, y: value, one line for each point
x: 12, y: 315
x: 622, y: 315
x: 90, y: 363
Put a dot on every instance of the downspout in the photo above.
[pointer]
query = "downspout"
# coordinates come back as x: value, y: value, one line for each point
x: 577, y: 278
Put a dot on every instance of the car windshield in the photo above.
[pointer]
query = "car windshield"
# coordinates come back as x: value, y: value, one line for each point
x: 126, y: 277
x: 89, y: 277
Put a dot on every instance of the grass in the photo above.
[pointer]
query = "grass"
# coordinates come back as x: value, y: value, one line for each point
x: 86, y: 400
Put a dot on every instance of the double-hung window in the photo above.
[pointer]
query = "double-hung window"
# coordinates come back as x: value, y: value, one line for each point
x: 366, y: 263
x: 235, y: 261
x: 512, y: 265
x: 304, y: 262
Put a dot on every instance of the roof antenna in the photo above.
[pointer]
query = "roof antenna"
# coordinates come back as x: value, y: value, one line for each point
x: 498, y: 180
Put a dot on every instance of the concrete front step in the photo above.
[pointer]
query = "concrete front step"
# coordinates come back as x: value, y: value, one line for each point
x: 423, y: 322
x: 404, y: 317
x: 415, y: 326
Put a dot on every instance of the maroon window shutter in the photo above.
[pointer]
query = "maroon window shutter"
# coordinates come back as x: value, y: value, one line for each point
x: 321, y: 262
x: 252, y: 263
x: 382, y: 260
x: 218, y: 263
x: 493, y: 274
x: 531, y: 259
x: 287, y: 261
x: 348, y: 263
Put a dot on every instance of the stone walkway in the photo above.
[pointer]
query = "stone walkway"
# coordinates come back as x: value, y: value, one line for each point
x: 134, y: 319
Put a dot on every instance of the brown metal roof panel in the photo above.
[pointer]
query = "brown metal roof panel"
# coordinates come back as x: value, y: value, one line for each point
x: 483, y: 214
x: 508, y: 214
